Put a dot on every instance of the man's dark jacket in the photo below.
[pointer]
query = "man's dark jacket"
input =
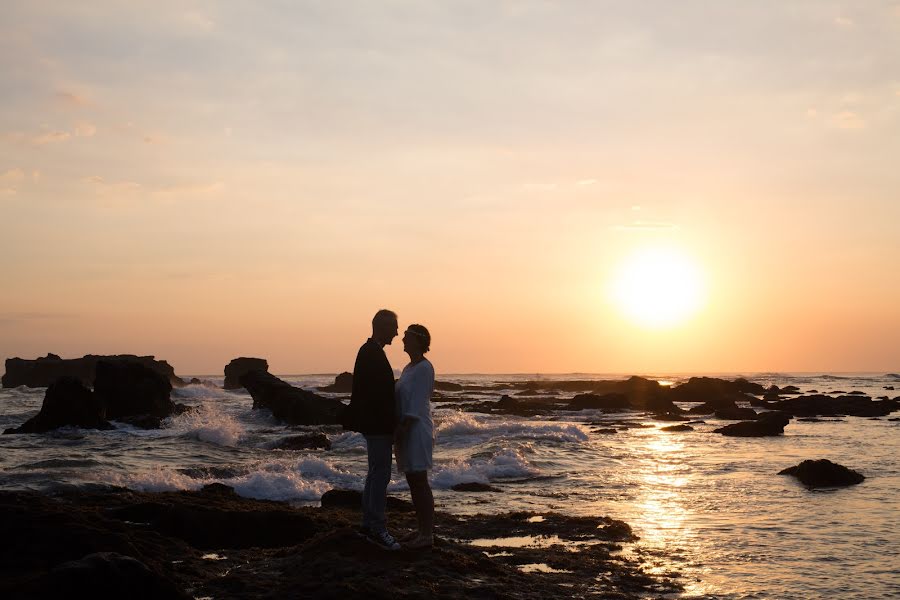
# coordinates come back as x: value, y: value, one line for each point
x: 372, y: 408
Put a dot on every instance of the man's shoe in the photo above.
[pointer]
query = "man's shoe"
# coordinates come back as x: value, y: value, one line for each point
x: 383, y: 540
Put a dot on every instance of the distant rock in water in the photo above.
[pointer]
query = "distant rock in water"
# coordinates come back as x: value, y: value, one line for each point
x: 674, y: 428
x: 767, y: 424
x: 595, y: 401
x: 41, y: 372
x: 67, y: 402
x: 819, y: 405
x: 240, y: 366
x: 288, y: 403
x: 716, y: 393
x: 343, y: 384
x: 823, y: 473
x: 128, y: 388
x: 447, y: 386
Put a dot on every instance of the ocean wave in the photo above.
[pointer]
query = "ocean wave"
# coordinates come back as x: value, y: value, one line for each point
x: 466, y: 424
x: 199, y: 392
x: 303, y: 479
x: 208, y: 423
x: 507, y: 463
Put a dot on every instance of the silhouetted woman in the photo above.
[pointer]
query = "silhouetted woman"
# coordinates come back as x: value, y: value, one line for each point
x: 415, y: 433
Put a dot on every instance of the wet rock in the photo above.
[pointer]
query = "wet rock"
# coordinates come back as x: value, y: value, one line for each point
x: 615, y: 401
x: 128, y: 388
x: 735, y: 413
x: 343, y: 384
x: 670, y: 417
x: 823, y: 473
x: 307, y: 441
x: 288, y: 403
x: 682, y: 427
x: 447, y: 386
x: 474, y: 486
x: 108, y: 576
x: 767, y: 424
x: 352, y: 499
x: 889, y: 387
x: 713, y: 391
x: 41, y: 372
x: 606, y: 431
x: 218, y: 489
x: 241, y: 366
x: 823, y: 405
x: 67, y: 402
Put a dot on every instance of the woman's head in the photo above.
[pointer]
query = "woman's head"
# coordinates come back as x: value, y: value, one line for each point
x: 416, y: 339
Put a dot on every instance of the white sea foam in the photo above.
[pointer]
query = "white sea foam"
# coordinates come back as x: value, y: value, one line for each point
x: 466, y: 424
x: 504, y: 464
x: 208, y: 423
x: 301, y: 479
x: 199, y: 392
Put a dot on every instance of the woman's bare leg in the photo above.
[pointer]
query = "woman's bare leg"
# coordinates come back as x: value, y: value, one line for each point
x: 423, y: 501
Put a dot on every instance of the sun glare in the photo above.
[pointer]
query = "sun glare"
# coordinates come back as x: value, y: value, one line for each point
x: 658, y: 288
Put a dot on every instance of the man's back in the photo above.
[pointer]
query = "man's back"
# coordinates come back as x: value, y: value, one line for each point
x: 372, y: 398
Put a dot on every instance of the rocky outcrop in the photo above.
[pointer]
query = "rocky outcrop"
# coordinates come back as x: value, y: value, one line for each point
x: 128, y: 388
x: 343, y: 384
x: 447, y: 386
x: 820, y: 405
x: 67, y: 402
x: 239, y: 367
x: 676, y: 428
x: 41, y: 372
x: 288, y: 403
x: 595, y: 401
x: 109, y: 576
x: 823, y: 473
x: 767, y: 424
x: 716, y: 393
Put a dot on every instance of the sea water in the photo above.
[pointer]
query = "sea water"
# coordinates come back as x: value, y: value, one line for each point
x: 709, y: 507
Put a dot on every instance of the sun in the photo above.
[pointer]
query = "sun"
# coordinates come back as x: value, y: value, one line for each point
x: 658, y: 287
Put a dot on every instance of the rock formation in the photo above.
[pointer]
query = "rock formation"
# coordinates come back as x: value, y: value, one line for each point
x: 343, y: 384
x: 67, y: 402
x: 288, y: 403
x: 238, y: 367
x: 767, y: 424
x: 820, y: 405
x: 41, y: 372
x: 823, y: 473
x: 128, y: 388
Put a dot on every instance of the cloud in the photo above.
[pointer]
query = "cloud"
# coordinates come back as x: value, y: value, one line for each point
x: 196, y: 20
x: 51, y: 137
x: 85, y: 129
x: 134, y: 191
x: 847, y: 119
x: 9, y: 182
x: 647, y: 226
x: 586, y: 182
x: 844, y: 22
x: 68, y: 99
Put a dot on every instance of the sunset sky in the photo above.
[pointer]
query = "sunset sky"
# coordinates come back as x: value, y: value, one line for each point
x: 201, y: 181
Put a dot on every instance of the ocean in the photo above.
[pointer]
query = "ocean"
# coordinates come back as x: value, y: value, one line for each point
x: 708, y: 507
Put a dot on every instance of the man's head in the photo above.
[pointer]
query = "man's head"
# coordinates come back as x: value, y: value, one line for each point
x: 384, y: 326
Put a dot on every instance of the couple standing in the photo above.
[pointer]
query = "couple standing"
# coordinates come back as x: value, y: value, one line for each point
x: 388, y: 414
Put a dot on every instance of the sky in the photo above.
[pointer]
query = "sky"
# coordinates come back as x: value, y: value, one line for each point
x: 206, y: 180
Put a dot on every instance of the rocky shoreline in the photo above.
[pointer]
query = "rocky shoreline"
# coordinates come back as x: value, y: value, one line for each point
x: 115, y: 543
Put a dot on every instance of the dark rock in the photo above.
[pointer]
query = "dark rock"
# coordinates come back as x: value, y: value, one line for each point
x: 614, y: 401
x: 306, y: 441
x: 288, y: 403
x: 677, y: 428
x: 767, y: 424
x: 856, y: 393
x: 762, y: 402
x: 218, y: 489
x: 128, y: 388
x: 241, y: 366
x: 812, y: 391
x: 67, y: 402
x: 352, y: 499
x: 448, y: 386
x: 606, y: 431
x: 109, y: 576
x: 343, y: 384
x: 735, y: 413
x: 474, y: 486
x: 713, y: 391
x: 670, y: 417
x: 822, y: 405
x: 823, y: 473
x: 43, y: 371
x: 889, y: 387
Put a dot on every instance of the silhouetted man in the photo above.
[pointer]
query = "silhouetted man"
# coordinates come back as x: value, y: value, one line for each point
x: 373, y: 414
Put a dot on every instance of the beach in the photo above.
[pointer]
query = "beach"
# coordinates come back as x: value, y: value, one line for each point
x: 697, y: 514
